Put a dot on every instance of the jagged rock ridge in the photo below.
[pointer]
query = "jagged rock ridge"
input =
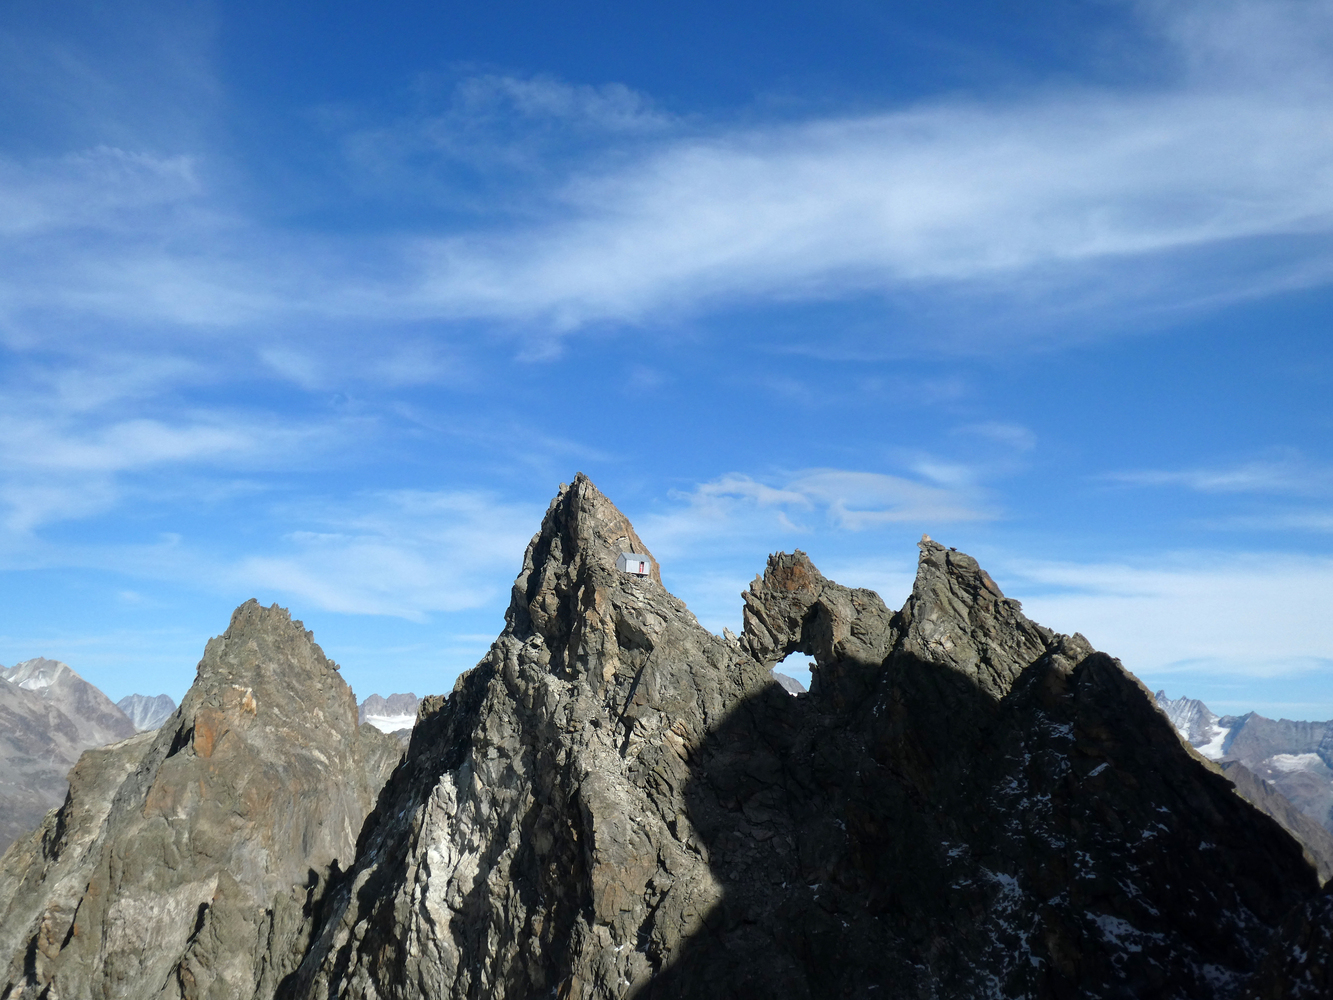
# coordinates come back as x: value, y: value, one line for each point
x: 184, y: 861
x: 617, y: 803
x: 147, y: 712
x: 49, y: 715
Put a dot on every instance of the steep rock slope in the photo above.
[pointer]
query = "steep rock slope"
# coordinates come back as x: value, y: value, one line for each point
x: 617, y: 803
x: 49, y: 715
x: 184, y: 861
x: 1265, y: 797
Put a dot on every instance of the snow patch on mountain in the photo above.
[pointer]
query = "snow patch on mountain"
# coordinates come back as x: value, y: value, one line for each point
x: 392, y: 714
x: 1294, y: 761
x: 1196, y: 725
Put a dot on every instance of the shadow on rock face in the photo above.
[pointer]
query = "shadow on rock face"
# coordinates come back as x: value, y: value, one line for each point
x: 616, y: 803
x: 904, y: 833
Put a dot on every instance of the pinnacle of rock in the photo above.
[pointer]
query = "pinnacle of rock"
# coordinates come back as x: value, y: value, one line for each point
x: 616, y: 803
x: 203, y: 836
x: 958, y: 617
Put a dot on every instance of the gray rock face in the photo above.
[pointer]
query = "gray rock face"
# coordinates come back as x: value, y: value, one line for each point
x: 185, y: 861
x: 147, y: 712
x: 49, y: 715
x: 617, y: 803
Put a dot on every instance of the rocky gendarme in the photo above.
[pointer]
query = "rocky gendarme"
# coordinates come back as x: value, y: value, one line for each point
x: 617, y: 803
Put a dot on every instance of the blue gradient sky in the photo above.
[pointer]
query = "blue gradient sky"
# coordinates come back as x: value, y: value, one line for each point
x: 319, y: 303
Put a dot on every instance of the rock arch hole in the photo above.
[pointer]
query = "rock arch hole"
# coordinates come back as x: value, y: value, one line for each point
x: 794, y: 666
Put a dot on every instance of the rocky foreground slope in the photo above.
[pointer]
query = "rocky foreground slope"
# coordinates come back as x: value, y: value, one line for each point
x: 617, y: 803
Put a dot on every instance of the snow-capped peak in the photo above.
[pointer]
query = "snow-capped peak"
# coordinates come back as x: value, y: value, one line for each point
x: 1196, y: 724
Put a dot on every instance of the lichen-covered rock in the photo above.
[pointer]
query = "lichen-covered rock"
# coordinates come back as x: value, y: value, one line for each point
x: 182, y: 861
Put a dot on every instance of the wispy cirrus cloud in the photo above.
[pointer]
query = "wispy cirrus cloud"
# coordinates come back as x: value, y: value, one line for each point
x: 1288, y: 474
x: 1066, y: 194
x: 737, y: 506
x: 76, y: 439
x: 1249, y: 614
x: 403, y: 553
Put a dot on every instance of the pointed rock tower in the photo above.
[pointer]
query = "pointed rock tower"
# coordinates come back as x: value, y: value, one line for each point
x: 183, y: 859
x: 616, y: 803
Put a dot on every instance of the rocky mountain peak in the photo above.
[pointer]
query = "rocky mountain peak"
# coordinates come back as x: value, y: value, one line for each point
x: 266, y: 681
x: 794, y: 608
x: 571, y: 597
x: 145, y: 711
x: 36, y: 674
x: 616, y: 803
x: 958, y: 617
x: 1196, y: 724
x: 205, y: 838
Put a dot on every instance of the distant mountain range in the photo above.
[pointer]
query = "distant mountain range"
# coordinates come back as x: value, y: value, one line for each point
x: 1295, y: 757
x: 49, y: 715
x: 1281, y: 766
x: 394, y: 714
x: 147, y: 712
x: 616, y: 803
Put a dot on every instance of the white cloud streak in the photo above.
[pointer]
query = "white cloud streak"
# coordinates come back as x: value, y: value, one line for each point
x: 1056, y: 188
x: 404, y: 553
x: 1253, y: 615
x: 1290, y: 475
x: 736, y: 507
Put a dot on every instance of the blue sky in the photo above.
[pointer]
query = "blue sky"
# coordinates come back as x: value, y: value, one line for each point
x: 320, y: 303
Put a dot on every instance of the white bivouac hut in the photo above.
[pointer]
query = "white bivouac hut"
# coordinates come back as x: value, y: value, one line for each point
x: 633, y: 562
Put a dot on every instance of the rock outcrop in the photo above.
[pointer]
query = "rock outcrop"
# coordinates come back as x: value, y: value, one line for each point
x: 617, y: 803
x: 49, y: 715
x: 184, y: 862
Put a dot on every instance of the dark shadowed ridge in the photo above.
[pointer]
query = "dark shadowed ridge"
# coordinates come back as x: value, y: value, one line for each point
x: 617, y: 803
